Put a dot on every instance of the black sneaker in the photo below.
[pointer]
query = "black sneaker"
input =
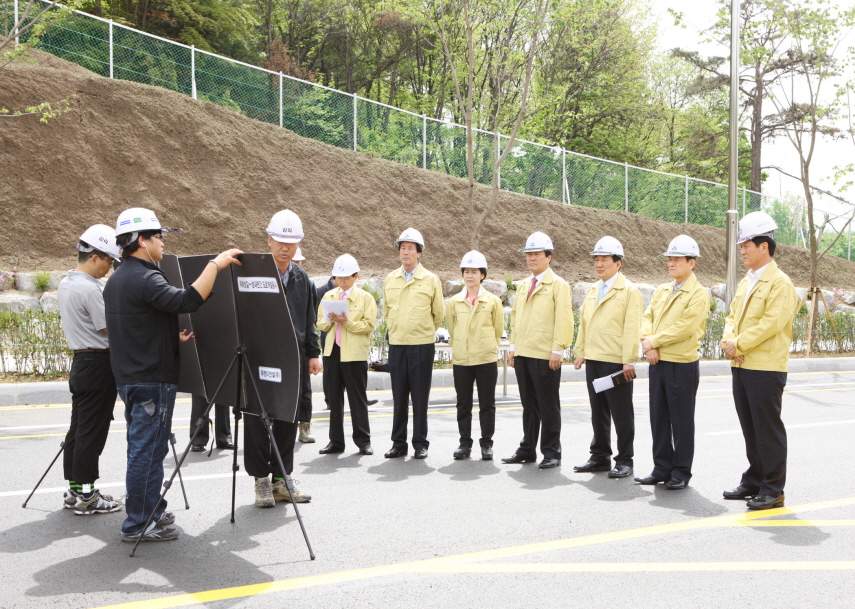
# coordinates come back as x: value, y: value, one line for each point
x: 154, y: 533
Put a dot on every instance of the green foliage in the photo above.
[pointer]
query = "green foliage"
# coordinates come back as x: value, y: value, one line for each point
x: 33, y: 343
x: 42, y: 281
x: 509, y: 282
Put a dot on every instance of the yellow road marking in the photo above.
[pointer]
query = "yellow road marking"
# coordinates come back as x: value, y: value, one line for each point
x: 464, y: 563
x: 640, y: 567
x: 436, y: 412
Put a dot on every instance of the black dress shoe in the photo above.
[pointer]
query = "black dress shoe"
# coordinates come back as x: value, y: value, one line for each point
x: 394, y: 453
x: 675, y: 484
x: 652, y: 480
x: 592, y: 466
x: 518, y: 458
x: 740, y: 492
x: 228, y: 446
x: 372, y: 402
x: 549, y: 463
x: 765, y: 502
x: 421, y: 453
x: 197, y: 449
x: 462, y: 452
x: 620, y: 471
x: 486, y: 453
x: 366, y: 450
x: 330, y: 449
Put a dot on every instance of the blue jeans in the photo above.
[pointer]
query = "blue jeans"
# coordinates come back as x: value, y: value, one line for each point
x: 148, y: 413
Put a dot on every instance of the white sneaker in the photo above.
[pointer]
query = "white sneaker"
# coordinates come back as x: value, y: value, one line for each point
x: 264, y: 493
x: 96, y: 504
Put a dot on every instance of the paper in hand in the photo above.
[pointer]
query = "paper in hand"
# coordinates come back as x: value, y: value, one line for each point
x: 607, y: 382
x: 339, y: 307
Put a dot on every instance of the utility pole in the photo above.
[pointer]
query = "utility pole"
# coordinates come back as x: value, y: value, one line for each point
x: 733, y: 170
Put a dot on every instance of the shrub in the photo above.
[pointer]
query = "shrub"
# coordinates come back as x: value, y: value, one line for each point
x: 33, y: 343
x: 42, y: 281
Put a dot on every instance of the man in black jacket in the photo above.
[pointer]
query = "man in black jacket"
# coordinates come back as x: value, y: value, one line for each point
x: 284, y: 233
x: 142, y: 325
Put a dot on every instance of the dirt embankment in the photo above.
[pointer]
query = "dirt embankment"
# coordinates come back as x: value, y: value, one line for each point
x: 221, y: 176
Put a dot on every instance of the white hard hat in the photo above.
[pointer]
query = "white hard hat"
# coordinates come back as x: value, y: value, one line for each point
x: 298, y: 257
x: 99, y: 237
x: 756, y: 224
x: 683, y: 245
x: 412, y: 235
x: 473, y: 260
x: 537, y: 242
x: 285, y: 227
x: 345, y: 266
x: 136, y: 219
x: 608, y: 246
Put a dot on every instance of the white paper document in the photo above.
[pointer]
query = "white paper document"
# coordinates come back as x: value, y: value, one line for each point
x: 339, y: 307
x: 601, y: 384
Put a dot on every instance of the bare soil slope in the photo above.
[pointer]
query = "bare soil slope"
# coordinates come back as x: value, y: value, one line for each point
x: 221, y: 176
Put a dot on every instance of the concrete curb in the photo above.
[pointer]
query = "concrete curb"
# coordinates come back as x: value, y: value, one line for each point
x: 15, y: 394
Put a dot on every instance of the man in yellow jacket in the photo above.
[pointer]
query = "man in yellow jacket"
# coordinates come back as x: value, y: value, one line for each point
x: 607, y: 343
x: 757, y: 336
x: 541, y: 329
x: 347, y: 339
x: 671, y: 331
x: 413, y: 308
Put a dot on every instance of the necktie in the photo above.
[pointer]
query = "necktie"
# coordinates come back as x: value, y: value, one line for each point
x: 531, y: 289
x: 602, y: 292
x: 338, y: 326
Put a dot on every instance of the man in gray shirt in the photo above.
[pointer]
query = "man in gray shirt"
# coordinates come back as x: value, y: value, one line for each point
x: 93, y: 388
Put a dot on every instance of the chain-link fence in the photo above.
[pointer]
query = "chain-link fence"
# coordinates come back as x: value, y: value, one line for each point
x: 351, y: 122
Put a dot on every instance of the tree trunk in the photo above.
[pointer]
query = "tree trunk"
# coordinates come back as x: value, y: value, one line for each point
x: 757, y: 135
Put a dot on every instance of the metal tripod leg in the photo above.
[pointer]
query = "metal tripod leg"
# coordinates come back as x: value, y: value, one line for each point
x: 180, y: 479
x: 61, y: 448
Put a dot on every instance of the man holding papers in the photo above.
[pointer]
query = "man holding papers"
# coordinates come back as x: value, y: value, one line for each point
x: 671, y: 330
x: 607, y: 342
x: 541, y: 329
x: 413, y: 308
x: 347, y: 315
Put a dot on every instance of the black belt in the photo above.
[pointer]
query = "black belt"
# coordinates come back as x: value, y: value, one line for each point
x: 91, y: 350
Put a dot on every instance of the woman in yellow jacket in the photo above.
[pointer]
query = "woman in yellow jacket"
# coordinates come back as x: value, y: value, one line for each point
x: 346, y: 356
x: 476, y: 320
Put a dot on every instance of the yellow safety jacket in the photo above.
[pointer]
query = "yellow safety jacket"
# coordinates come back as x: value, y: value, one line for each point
x: 475, y: 330
x: 610, y: 331
x: 762, y: 323
x: 413, y: 309
x: 543, y: 323
x: 675, y: 323
x: 356, y: 331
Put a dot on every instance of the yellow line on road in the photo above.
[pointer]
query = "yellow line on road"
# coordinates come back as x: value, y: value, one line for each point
x: 464, y: 563
x: 640, y: 567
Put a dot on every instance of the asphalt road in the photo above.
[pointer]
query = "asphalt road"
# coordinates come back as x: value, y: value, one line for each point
x: 444, y: 533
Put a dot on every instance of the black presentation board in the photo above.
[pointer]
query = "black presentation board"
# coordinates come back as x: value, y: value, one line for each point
x: 268, y: 333
x: 247, y: 306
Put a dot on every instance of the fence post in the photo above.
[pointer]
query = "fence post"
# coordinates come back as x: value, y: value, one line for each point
x: 498, y: 152
x: 354, y: 122
x: 849, y: 254
x: 280, y: 99
x: 564, y: 194
x: 15, y: 22
x: 626, y: 186
x: 744, y: 190
x: 193, y: 70
x: 111, y: 48
x: 686, y: 215
x: 424, y: 141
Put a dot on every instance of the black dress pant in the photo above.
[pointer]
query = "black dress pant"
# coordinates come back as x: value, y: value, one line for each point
x: 612, y: 404
x: 538, y: 385
x: 758, y: 395
x: 93, y: 396
x: 258, y: 457
x: 353, y: 377
x: 411, y: 369
x: 485, y: 376
x: 673, y: 387
x: 304, y: 412
x: 222, y: 428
